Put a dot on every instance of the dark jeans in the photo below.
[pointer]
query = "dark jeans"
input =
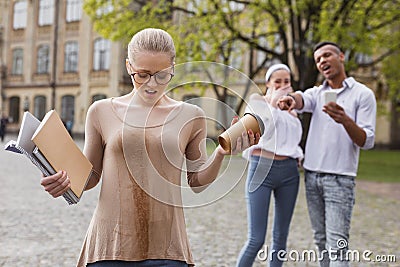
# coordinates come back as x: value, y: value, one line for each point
x: 264, y: 177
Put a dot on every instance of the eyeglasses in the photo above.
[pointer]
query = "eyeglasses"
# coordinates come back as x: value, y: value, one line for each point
x: 161, y: 77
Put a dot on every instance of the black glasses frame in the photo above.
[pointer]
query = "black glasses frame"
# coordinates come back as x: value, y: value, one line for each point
x: 151, y: 75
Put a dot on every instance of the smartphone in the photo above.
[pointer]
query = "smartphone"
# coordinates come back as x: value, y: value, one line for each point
x: 330, y: 96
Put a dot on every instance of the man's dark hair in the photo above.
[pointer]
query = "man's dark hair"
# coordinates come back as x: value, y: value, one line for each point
x: 324, y: 43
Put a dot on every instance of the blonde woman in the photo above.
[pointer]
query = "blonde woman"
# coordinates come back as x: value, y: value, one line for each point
x: 137, y: 144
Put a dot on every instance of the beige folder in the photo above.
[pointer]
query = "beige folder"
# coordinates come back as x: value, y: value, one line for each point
x: 60, y: 150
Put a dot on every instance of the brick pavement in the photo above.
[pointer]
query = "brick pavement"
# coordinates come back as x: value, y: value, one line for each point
x: 36, y: 230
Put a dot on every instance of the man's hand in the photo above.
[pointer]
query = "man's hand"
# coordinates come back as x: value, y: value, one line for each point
x: 336, y: 112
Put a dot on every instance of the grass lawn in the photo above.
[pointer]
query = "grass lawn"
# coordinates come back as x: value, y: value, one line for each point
x: 374, y: 165
x: 379, y: 165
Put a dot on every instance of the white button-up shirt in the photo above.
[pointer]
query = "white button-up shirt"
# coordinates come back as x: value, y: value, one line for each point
x: 282, y: 133
x: 329, y: 148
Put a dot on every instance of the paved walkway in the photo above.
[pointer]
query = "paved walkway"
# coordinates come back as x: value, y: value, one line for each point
x: 36, y: 230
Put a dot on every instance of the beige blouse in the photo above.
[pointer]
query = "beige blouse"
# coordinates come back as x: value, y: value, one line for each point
x: 139, y: 215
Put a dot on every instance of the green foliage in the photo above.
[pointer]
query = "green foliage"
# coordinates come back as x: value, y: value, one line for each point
x: 391, y: 67
x: 125, y: 17
x: 361, y: 26
x: 379, y: 165
x: 391, y: 64
x: 219, y: 30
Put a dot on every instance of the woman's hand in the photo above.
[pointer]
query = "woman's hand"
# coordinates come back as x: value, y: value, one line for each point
x: 56, y: 184
x: 274, y: 95
x: 247, y: 139
x: 286, y: 103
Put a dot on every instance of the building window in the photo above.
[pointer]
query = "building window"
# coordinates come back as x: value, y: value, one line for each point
x: 237, y: 57
x: 197, y: 6
x: 67, y: 108
x: 18, y: 61
x: 101, y: 59
x: 261, y: 55
x: 74, y: 10
x: 39, y: 106
x: 362, y: 59
x: 105, y: 9
x: 14, y: 109
x: 20, y: 15
x: 46, y: 12
x: 71, y: 57
x: 98, y: 97
x: 43, y: 59
x: 225, y: 112
x: 272, y: 43
x: 235, y: 6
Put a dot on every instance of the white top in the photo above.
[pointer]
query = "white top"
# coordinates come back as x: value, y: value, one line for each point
x: 282, y: 133
x: 329, y: 148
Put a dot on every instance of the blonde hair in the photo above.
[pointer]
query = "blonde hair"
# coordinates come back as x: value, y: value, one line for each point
x: 151, y: 40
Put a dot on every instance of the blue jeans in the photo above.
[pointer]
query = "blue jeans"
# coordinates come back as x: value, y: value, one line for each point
x: 145, y: 263
x: 330, y: 201
x: 264, y: 177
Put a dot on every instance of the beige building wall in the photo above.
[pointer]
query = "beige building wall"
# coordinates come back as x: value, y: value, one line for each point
x: 371, y: 78
x: 86, y: 83
x: 82, y: 84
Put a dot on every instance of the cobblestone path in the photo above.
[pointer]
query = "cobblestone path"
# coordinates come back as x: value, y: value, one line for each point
x: 36, y: 230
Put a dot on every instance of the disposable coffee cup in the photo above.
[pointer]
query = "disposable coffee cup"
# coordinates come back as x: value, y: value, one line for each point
x: 247, y: 122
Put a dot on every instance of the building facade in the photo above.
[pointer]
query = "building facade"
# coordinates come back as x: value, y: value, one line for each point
x: 52, y: 59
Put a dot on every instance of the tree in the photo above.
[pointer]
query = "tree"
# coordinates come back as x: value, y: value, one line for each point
x: 283, y: 30
x: 267, y: 31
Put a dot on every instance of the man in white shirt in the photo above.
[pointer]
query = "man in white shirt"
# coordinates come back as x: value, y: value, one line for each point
x: 337, y: 132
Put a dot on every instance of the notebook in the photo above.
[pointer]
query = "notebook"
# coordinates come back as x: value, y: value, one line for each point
x: 24, y: 145
x: 57, y: 146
